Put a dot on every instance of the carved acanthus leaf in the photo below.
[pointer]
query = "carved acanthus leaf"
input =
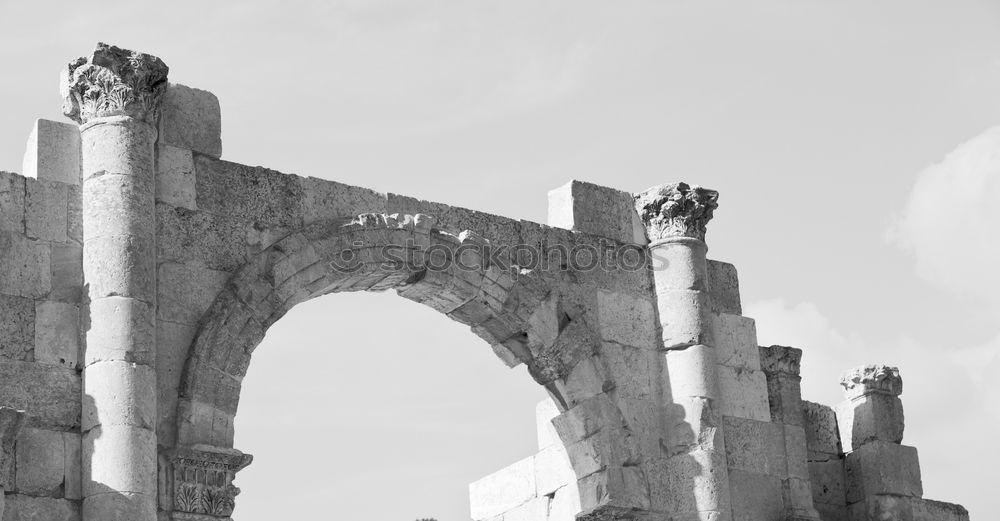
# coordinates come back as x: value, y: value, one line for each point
x: 676, y: 210
x: 872, y: 379
x: 203, y: 479
x: 114, y: 82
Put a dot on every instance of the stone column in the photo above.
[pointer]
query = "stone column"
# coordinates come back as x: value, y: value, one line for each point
x: 114, y: 94
x: 675, y: 217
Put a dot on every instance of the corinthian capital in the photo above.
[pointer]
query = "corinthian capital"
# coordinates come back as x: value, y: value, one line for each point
x: 203, y: 479
x: 676, y: 210
x: 114, y: 82
x: 872, y: 379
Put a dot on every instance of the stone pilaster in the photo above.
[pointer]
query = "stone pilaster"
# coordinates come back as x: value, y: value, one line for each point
x: 675, y: 217
x: 114, y: 94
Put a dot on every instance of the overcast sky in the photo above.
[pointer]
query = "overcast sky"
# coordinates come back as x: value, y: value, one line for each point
x: 851, y: 142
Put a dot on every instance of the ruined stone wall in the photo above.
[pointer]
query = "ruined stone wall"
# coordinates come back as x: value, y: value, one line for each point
x: 139, y: 271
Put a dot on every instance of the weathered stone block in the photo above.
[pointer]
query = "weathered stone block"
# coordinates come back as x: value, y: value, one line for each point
x: 40, y: 461
x: 534, y: 510
x: 626, y: 319
x: 614, y: 488
x: 827, y: 479
x: 66, y: 272
x: 503, y: 490
x: 127, y: 506
x: 832, y: 512
x: 784, y: 396
x: 17, y: 328
x: 49, y: 394
x: 927, y: 510
x: 736, y: 341
x: 24, y: 266
x: 219, y: 242
x: 20, y: 507
x: 755, y: 497
x: 191, y: 118
x: 175, y: 177
x: 11, y: 202
x: 635, y: 371
x: 882, y: 467
x: 545, y: 411
x: 126, y: 392
x: 172, y: 344
x: 690, y: 482
x: 723, y: 288
x: 57, y: 333
x: 597, y: 210
x: 565, y: 504
x: 53, y: 152
x: 870, y: 417
x: 796, y: 454
x: 552, y: 470
x: 755, y: 446
x: 744, y: 393
x: 118, y: 459
x: 253, y: 194
x: 46, y: 206
x: 822, y: 435
x: 72, y: 466
x: 186, y: 291
x: 119, y: 328
x: 323, y: 199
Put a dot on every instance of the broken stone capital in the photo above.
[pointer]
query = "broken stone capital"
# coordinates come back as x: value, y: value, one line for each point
x: 780, y: 360
x: 113, y: 82
x: 676, y: 210
x: 871, y: 379
x: 203, y: 479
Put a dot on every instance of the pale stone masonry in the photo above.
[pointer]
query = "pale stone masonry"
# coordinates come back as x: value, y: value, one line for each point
x: 138, y: 272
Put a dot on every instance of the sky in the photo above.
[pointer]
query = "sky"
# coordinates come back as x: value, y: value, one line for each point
x: 856, y: 146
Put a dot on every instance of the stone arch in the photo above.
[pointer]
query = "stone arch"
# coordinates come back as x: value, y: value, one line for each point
x: 524, y: 315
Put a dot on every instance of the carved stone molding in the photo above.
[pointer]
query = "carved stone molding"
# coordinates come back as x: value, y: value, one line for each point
x: 114, y: 82
x: 676, y: 210
x: 872, y: 379
x: 200, y: 481
x: 10, y: 425
x: 780, y: 359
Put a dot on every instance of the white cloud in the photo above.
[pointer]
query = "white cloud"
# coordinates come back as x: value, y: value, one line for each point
x: 951, y: 222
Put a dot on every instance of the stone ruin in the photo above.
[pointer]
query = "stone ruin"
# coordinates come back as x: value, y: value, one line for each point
x: 138, y: 272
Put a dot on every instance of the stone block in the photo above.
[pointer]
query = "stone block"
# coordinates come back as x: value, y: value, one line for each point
x: 626, y: 319
x: 24, y: 266
x: 736, y: 341
x: 827, y: 480
x: 323, y: 200
x: 798, y: 500
x: 119, y: 328
x: 53, y: 152
x: 744, y: 393
x: 552, y: 470
x: 927, y: 510
x: 186, y: 291
x: 175, y: 177
x: 784, y: 396
x: 503, y: 490
x: 219, y: 242
x: 72, y: 466
x: 127, y: 506
x: 49, y: 394
x: 20, y: 507
x: 57, y: 333
x: 796, y: 454
x: 11, y: 202
x: 690, y: 482
x: 614, y: 488
x: 691, y: 372
x: 172, y: 344
x: 46, y: 210
x: 17, y: 328
x: 597, y: 210
x: 40, y: 460
x: 832, y: 512
x: 870, y: 417
x: 822, y: 434
x: 545, y: 411
x: 191, y: 118
x: 723, y: 288
x: 66, y: 272
x: 119, y: 459
x: 74, y: 215
x: 253, y: 194
x: 755, y: 497
x: 882, y: 468
x: 565, y: 504
x: 126, y: 392
x: 890, y: 508
x: 755, y: 446
x: 534, y: 510
x: 635, y: 372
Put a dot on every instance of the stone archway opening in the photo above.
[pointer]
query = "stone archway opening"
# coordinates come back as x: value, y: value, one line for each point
x: 339, y: 419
